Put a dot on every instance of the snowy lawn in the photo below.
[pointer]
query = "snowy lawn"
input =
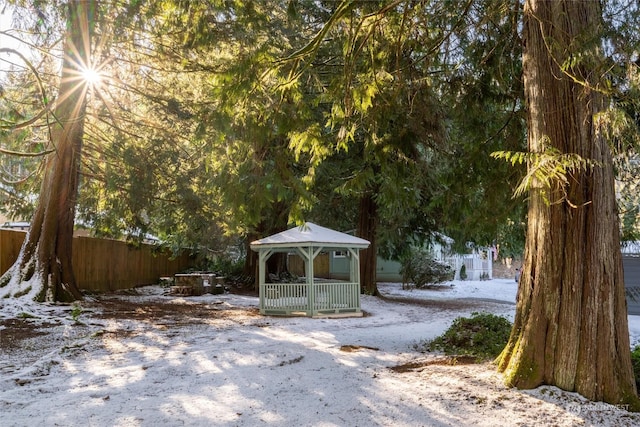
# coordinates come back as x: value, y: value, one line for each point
x: 148, y: 359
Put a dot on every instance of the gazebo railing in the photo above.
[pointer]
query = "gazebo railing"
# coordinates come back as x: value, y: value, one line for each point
x: 327, y: 298
x: 284, y: 298
x: 336, y: 297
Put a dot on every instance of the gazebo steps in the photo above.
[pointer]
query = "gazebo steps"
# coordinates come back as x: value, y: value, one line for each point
x: 337, y: 315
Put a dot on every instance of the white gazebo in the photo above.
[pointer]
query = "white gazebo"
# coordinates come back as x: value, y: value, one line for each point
x: 312, y: 298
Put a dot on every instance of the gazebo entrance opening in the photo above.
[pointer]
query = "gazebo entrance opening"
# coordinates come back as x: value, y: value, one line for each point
x: 313, y: 297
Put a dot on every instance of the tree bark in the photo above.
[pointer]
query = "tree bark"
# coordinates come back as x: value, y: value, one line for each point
x: 251, y: 261
x: 44, y: 269
x: 277, y: 262
x: 570, y: 328
x: 368, y: 219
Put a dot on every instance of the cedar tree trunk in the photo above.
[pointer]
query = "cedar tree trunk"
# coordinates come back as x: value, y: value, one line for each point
x: 43, y: 269
x: 277, y: 262
x: 570, y: 328
x: 367, y: 229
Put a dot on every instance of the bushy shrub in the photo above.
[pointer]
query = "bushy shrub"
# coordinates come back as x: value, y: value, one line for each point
x: 635, y: 361
x: 463, y: 272
x: 482, y: 335
x: 226, y: 266
x: 421, y: 269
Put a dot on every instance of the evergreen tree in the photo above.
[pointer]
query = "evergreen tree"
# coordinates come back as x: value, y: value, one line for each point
x: 570, y: 327
x: 43, y: 270
x: 407, y: 101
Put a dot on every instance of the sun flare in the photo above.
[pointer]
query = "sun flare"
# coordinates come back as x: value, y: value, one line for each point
x: 91, y: 76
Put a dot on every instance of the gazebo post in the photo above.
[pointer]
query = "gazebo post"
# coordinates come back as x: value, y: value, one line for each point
x: 354, y: 274
x: 311, y: 296
x: 354, y: 268
x: 263, y: 256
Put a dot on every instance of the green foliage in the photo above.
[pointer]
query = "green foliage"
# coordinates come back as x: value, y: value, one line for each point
x: 511, y: 235
x: 463, y: 272
x: 208, y: 160
x: 226, y: 266
x: 421, y: 269
x: 635, y: 361
x: 548, y: 171
x: 472, y: 197
x: 380, y: 117
x: 482, y: 335
x: 23, y: 139
x: 251, y: 115
x: 25, y: 315
x: 76, y: 311
x: 622, y: 128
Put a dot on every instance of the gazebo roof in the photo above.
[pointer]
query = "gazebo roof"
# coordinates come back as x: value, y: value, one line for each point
x: 310, y: 234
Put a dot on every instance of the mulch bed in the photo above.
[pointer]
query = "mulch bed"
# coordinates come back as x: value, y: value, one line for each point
x: 14, y: 331
x: 418, y: 366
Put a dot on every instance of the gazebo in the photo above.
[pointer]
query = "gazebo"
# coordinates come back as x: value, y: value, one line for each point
x: 312, y: 298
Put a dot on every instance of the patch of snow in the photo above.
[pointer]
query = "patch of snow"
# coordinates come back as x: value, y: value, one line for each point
x: 248, y: 370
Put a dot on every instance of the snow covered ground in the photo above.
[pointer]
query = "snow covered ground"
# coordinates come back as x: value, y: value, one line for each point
x: 149, y: 359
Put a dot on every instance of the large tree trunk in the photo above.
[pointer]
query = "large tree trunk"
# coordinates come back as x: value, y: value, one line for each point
x: 367, y: 229
x: 251, y: 261
x: 570, y: 328
x: 43, y: 270
x: 277, y: 262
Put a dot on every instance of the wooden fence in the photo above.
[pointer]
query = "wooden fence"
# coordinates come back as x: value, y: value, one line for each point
x: 103, y: 265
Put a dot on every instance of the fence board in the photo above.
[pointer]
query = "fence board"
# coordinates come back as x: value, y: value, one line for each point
x: 102, y: 265
x: 10, y: 243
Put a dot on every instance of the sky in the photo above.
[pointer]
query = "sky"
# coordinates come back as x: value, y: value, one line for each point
x: 5, y: 41
x: 6, y: 59
x: 5, y: 24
